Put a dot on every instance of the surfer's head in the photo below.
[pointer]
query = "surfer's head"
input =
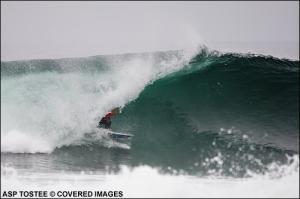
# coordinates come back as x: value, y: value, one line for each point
x: 115, y: 111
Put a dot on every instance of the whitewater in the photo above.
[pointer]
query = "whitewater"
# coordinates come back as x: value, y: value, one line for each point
x: 205, y: 124
x: 67, y: 101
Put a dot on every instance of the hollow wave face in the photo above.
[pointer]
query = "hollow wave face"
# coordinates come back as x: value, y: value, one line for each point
x: 222, y: 113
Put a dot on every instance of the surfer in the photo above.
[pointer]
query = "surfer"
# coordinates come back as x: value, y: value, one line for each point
x: 105, y: 122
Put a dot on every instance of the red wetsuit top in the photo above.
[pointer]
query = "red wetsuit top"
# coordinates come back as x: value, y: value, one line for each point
x: 107, y: 116
x: 106, y: 120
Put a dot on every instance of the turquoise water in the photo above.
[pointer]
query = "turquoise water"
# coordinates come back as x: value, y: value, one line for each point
x: 203, y: 114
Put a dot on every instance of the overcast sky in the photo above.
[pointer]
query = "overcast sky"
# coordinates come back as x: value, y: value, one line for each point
x: 32, y: 30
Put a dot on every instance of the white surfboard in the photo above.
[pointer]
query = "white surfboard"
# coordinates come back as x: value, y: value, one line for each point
x: 119, y: 135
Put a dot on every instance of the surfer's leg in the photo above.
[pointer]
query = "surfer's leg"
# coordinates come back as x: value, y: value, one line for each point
x: 108, y: 124
x: 101, y: 124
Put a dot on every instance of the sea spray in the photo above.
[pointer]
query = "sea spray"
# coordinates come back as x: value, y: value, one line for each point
x: 58, y: 101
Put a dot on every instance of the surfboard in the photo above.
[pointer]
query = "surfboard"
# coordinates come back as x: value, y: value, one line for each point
x: 119, y: 135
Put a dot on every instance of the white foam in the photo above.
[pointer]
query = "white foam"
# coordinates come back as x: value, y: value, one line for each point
x: 47, y: 110
x: 145, y: 181
x: 20, y: 142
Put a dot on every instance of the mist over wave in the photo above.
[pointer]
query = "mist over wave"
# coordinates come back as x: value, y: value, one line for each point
x: 51, y: 103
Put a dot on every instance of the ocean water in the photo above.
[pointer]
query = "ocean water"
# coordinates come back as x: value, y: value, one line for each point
x: 205, y: 124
